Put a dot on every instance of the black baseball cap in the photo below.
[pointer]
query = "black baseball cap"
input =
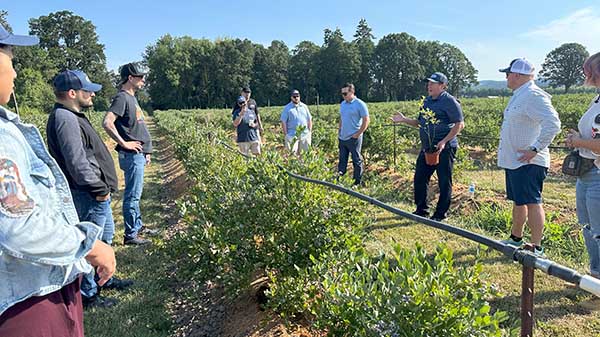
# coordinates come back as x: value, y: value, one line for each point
x: 133, y: 69
x: 295, y: 92
x: 76, y: 80
x: 17, y: 40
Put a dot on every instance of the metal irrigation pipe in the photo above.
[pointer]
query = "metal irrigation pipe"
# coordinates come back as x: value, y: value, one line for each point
x: 524, y: 256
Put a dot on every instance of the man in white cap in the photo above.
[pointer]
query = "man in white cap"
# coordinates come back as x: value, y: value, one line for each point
x: 529, y: 126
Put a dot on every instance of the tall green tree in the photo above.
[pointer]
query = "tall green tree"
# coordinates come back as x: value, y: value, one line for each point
x: 270, y: 73
x: 563, y: 66
x: 396, y: 66
x: 461, y: 73
x: 231, y: 64
x: 339, y: 62
x: 72, y: 43
x: 303, y: 70
x: 4, y: 22
x: 363, y: 40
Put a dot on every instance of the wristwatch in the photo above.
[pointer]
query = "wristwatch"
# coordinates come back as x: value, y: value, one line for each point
x: 533, y: 148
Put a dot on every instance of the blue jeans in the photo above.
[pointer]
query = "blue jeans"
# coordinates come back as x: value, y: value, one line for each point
x: 588, y: 214
x: 351, y: 147
x: 133, y: 165
x: 100, y: 213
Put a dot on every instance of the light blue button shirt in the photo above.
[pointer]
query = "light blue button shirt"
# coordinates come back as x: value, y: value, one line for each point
x: 294, y: 115
x: 42, y: 243
x: 351, y: 115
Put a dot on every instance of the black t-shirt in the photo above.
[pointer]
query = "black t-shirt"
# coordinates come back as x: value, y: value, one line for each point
x: 130, y: 122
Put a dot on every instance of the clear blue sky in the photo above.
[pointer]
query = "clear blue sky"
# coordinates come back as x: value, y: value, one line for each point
x: 489, y: 33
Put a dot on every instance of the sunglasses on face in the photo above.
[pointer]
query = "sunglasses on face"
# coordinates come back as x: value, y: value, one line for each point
x: 345, y: 93
x: 296, y: 96
x: 241, y: 104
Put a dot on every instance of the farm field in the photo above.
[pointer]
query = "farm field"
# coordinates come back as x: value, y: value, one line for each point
x: 329, y: 262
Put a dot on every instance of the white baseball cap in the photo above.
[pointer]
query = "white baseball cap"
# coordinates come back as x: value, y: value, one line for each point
x: 519, y: 66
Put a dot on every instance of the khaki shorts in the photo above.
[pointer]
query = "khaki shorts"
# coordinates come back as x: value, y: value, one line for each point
x: 246, y: 147
x: 301, y: 144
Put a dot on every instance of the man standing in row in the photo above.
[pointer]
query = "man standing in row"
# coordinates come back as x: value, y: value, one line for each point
x: 354, y: 120
x: 529, y: 126
x: 250, y: 105
x: 296, y: 114
x: 87, y: 164
x: 125, y: 123
x: 442, y: 137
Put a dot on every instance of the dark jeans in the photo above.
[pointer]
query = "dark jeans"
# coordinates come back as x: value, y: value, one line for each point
x: 423, y: 173
x: 100, y: 213
x: 57, y: 314
x: 352, y: 147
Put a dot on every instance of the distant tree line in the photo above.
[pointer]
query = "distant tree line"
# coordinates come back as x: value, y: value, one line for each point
x: 192, y: 73
x: 185, y: 72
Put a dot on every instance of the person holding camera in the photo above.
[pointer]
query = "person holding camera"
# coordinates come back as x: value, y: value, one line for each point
x: 587, y: 142
x: 247, y: 125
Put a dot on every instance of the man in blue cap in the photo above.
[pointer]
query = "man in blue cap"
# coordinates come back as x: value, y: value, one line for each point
x: 87, y: 164
x: 439, y: 136
x: 246, y: 122
x: 44, y: 248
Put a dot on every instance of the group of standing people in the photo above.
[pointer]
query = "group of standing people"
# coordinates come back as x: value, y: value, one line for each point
x: 57, y: 225
x: 529, y: 125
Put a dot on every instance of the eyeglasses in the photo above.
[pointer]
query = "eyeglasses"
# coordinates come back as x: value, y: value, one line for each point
x: 345, y: 93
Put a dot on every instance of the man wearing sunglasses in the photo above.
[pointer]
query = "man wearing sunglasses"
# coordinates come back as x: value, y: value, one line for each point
x: 246, y: 92
x: 87, y: 164
x: 530, y: 124
x: 125, y: 123
x: 296, y: 115
x: 354, y: 120
x: 246, y: 123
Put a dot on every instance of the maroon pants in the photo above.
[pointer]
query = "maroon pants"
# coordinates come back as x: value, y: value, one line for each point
x: 58, y: 314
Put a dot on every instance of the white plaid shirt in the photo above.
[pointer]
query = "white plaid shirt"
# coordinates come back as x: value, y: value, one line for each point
x: 529, y: 120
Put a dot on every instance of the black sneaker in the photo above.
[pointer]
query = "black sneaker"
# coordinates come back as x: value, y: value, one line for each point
x: 421, y: 213
x: 98, y: 302
x: 137, y: 241
x: 438, y: 218
x: 117, y: 284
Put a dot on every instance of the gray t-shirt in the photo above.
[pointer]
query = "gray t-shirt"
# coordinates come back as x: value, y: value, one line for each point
x: 130, y: 122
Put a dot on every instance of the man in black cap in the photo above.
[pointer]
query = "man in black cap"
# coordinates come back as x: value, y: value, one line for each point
x: 87, y: 164
x: 437, y: 134
x: 44, y: 248
x: 125, y: 123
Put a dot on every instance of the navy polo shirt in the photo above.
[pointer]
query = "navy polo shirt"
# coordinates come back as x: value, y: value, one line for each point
x: 448, y: 112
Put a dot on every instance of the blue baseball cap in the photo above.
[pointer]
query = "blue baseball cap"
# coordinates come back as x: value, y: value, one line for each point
x: 241, y: 99
x: 437, y: 77
x: 76, y: 80
x: 17, y: 40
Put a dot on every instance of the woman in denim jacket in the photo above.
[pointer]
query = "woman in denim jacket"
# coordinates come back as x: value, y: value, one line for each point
x: 43, y: 247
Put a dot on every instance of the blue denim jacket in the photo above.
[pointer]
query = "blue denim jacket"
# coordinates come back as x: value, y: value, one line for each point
x: 42, y: 242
